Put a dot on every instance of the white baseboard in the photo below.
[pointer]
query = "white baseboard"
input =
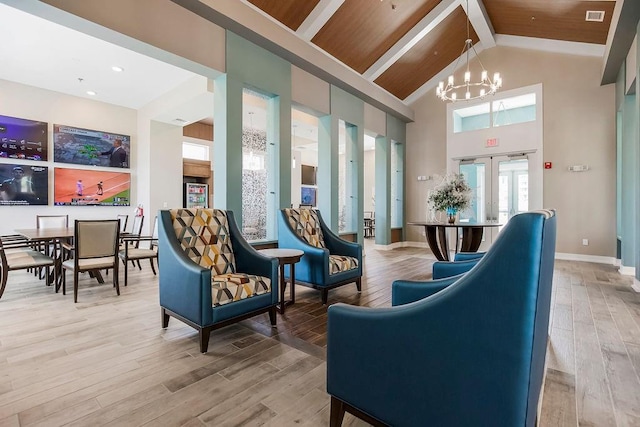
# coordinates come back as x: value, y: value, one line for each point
x: 617, y: 262
x: 636, y: 285
x: 586, y: 258
x: 627, y: 271
x: 401, y: 245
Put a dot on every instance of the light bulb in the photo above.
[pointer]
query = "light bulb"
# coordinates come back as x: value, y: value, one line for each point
x: 451, y: 80
x: 482, y: 92
x: 467, y: 76
x: 496, y: 76
x: 467, y: 95
x: 441, y: 85
x: 484, y: 75
x: 453, y: 96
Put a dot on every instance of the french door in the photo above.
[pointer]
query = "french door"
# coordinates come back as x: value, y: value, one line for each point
x: 500, y: 189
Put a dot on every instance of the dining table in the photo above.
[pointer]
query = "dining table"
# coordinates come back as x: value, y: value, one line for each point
x: 55, y: 235
x: 436, y: 234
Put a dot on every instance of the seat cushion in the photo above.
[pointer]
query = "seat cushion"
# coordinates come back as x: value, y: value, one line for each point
x: 227, y: 288
x: 139, y: 253
x: 306, y: 224
x: 340, y: 263
x: 90, y: 263
x: 205, y: 238
x: 25, y: 258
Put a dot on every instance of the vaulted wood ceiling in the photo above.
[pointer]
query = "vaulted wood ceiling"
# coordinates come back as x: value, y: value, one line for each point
x: 404, y: 45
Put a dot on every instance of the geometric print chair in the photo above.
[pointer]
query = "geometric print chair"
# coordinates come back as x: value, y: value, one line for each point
x: 328, y: 261
x: 209, y: 276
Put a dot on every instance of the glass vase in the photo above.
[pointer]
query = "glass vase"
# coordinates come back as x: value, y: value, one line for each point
x: 451, y: 215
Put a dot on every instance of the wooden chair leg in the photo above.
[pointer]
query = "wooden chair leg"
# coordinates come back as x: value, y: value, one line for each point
x: 139, y: 266
x: 126, y: 274
x: 3, y: 284
x: 152, y: 266
x: 359, y: 284
x: 75, y: 285
x: 325, y: 296
x: 204, y: 340
x: 165, y: 317
x: 337, y: 412
x: 116, y: 281
x: 272, y: 315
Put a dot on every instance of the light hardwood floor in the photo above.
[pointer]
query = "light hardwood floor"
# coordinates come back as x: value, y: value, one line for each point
x: 106, y: 360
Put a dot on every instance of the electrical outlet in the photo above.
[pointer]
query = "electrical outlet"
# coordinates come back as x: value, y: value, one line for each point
x: 585, y: 242
x: 165, y: 204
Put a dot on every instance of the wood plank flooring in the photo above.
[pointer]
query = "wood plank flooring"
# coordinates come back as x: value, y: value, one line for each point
x: 107, y: 361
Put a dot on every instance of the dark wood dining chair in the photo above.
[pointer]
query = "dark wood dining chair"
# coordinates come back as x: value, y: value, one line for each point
x: 19, y: 254
x: 95, y: 248
x: 133, y: 250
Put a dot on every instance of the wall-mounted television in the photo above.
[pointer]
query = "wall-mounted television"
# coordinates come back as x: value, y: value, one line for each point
x: 308, y: 174
x: 23, y: 139
x: 81, y: 187
x: 90, y: 147
x: 308, y: 196
x: 23, y: 185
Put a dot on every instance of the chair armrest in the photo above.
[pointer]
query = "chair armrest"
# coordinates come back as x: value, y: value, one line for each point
x: 338, y: 246
x: 184, y: 286
x: 466, y: 256
x: 442, y: 269
x: 407, y: 291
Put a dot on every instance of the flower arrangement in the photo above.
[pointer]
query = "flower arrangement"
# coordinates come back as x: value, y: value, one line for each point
x: 453, y: 195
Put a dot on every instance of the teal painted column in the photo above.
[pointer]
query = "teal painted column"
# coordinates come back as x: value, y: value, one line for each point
x: 227, y: 146
x: 629, y: 180
x: 327, y: 174
x: 636, y: 143
x: 383, y: 190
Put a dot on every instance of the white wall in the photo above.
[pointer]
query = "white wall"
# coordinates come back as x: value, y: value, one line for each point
x: 32, y: 103
x: 579, y: 128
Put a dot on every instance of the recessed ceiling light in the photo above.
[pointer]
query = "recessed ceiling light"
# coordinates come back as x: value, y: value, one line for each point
x: 90, y: 92
x: 117, y: 69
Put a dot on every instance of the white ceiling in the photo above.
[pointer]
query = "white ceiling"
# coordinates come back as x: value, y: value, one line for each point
x: 40, y: 53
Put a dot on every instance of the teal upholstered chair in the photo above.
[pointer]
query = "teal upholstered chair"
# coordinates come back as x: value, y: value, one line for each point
x: 468, y: 350
x: 209, y: 275
x: 328, y: 261
x: 462, y: 262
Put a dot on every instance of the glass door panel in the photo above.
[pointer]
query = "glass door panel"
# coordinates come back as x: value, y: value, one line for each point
x: 476, y: 176
x: 513, y: 187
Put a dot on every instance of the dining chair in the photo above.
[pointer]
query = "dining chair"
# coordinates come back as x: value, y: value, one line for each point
x: 48, y: 222
x: 95, y: 248
x: 131, y: 250
x: 123, y: 223
x: 18, y: 254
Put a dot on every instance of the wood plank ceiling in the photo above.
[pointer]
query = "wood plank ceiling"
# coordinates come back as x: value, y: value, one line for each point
x: 402, y: 45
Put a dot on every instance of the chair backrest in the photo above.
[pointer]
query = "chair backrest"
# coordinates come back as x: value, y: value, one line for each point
x: 136, y: 225
x: 306, y: 224
x: 52, y: 221
x: 96, y: 238
x: 123, y: 222
x: 205, y: 237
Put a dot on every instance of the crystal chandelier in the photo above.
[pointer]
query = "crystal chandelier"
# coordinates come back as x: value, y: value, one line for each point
x: 471, y: 89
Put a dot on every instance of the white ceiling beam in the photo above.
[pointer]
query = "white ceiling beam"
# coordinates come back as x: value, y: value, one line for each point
x: 319, y: 16
x: 481, y: 23
x: 549, y: 45
x: 417, y: 33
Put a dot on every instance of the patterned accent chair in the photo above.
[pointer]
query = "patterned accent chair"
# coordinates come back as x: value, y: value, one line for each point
x: 464, y: 351
x: 328, y: 261
x: 210, y: 276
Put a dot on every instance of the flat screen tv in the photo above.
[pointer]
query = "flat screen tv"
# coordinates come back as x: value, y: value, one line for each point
x: 23, y: 139
x: 80, y: 187
x: 90, y: 147
x: 308, y: 196
x: 23, y: 185
x: 308, y: 175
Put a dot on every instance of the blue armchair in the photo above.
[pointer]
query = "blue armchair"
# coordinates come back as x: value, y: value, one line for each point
x: 468, y: 350
x: 328, y: 261
x: 209, y: 275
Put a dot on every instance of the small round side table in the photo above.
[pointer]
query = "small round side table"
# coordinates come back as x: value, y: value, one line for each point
x: 285, y: 257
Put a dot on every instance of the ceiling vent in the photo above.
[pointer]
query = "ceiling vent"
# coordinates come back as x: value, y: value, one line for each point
x: 595, y: 16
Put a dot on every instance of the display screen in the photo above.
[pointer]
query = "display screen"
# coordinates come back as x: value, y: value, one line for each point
x: 90, y: 147
x: 79, y: 187
x: 308, y: 196
x: 308, y: 175
x: 23, y: 139
x: 23, y: 185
